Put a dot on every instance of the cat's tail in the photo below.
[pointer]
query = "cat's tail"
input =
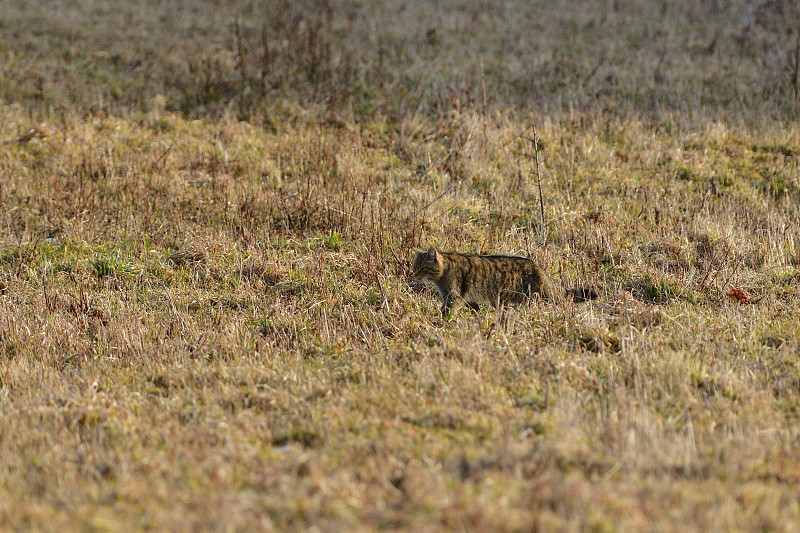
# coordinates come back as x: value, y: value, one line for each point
x: 581, y: 294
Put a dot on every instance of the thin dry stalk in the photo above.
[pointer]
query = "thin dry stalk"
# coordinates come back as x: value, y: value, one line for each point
x: 535, y: 141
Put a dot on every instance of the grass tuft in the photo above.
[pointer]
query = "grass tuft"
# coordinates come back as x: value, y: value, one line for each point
x: 208, y: 217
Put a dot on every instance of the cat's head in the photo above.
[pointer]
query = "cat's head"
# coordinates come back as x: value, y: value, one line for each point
x: 427, y: 264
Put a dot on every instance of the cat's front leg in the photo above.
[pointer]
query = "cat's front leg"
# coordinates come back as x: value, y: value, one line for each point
x: 448, y: 303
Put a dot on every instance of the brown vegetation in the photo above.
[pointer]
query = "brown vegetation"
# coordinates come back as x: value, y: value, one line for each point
x: 208, y: 216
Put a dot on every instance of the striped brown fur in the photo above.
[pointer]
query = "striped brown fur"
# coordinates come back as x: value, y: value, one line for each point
x: 481, y: 280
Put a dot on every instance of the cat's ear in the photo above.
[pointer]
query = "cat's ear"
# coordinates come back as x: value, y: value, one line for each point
x: 432, y: 253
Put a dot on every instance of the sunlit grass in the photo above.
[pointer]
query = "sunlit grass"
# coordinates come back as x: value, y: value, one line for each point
x: 208, y: 323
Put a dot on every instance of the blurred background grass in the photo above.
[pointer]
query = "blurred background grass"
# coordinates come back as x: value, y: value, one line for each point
x: 719, y: 60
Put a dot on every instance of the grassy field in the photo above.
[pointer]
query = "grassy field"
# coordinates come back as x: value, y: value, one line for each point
x: 207, y: 216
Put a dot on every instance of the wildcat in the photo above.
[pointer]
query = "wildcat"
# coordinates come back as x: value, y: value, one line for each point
x: 492, y: 280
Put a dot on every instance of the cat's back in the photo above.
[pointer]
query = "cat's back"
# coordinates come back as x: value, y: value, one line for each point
x: 524, y: 270
x: 513, y: 264
x: 506, y: 276
x: 509, y: 262
x: 484, y: 265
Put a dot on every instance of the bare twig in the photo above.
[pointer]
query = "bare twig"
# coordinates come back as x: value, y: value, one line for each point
x: 384, y: 301
x: 536, y: 148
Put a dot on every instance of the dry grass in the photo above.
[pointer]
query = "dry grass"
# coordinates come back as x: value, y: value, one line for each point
x: 206, y: 323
